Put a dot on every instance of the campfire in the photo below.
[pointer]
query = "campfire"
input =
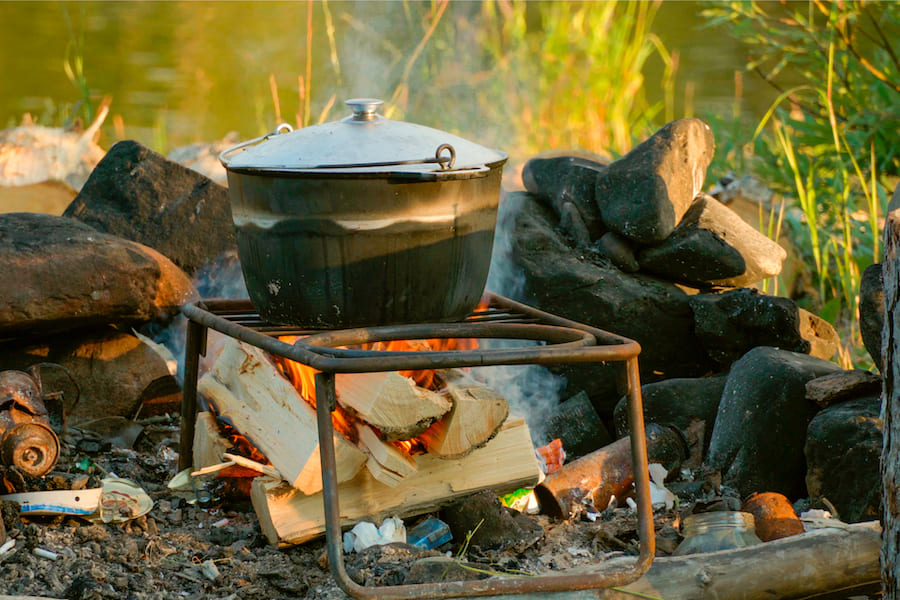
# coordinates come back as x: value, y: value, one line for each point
x: 405, y: 441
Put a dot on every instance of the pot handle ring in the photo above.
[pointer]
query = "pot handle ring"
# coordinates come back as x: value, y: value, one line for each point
x: 279, y: 129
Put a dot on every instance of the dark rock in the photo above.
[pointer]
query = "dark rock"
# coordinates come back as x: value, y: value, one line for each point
x: 844, y: 385
x: 690, y: 405
x: 713, y: 246
x: 567, y: 179
x: 731, y: 323
x: 843, y: 450
x: 644, y: 194
x: 578, y: 427
x: 654, y: 313
x: 618, y: 250
x: 760, y: 428
x: 112, y: 369
x: 571, y: 223
x: 491, y: 525
x: 62, y: 274
x: 871, y: 311
x: 142, y: 196
x: 436, y: 569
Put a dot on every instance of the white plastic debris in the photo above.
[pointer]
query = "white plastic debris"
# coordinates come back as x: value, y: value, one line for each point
x: 43, y: 553
x: 8, y: 546
x: 210, y: 570
x: 659, y: 495
x: 365, y: 534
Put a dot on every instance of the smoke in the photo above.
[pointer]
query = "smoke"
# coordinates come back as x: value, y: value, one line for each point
x: 531, y: 390
x: 220, y: 278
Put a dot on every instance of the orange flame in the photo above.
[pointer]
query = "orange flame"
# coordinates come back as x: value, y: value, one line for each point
x: 303, y: 378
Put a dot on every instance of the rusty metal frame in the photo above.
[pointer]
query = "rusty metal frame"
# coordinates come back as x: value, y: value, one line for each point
x: 566, y: 342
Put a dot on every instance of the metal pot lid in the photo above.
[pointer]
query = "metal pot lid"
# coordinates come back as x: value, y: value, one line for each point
x: 363, y: 143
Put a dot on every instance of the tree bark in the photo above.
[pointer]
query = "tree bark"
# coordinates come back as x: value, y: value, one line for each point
x: 890, y: 457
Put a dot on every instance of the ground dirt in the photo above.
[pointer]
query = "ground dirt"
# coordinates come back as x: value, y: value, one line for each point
x: 161, y: 555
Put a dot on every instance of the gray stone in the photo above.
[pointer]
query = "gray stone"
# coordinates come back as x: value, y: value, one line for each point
x: 618, y: 250
x: 644, y: 194
x: 654, y: 313
x: 871, y: 311
x: 115, y: 372
x: 142, y: 196
x: 386, y: 564
x: 61, y: 274
x: 713, y: 246
x: 731, y: 323
x: 491, y: 525
x: 688, y: 404
x: 760, y: 428
x: 435, y: 569
x: 844, y: 385
x: 569, y: 178
x: 843, y: 450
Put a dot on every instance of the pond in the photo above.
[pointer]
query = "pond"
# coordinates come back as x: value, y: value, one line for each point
x: 183, y: 72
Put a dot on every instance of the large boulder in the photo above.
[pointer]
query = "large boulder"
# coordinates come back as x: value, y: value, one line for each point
x: 843, y: 451
x: 688, y: 404
x: 654, y: 313
x: 142, y: 196
x: 760, y: 429
x: 645, y: 194
x: 567, y: 184
x: 713, y: 246
x: 731, y: 323
x: 62, y: 274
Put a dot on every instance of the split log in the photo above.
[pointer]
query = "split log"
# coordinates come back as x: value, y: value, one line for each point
x: 388, y: 464
x: 246, y: 388
x: 209, y: 445
x: 477, y: 414
x: 506, y: 463
x: 392, y: 403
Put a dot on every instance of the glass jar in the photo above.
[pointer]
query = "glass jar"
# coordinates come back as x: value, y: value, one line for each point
x: 717, y: 530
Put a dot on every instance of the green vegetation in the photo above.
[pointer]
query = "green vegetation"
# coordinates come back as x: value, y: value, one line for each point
x: 829, y: 142
x: 531, y: 75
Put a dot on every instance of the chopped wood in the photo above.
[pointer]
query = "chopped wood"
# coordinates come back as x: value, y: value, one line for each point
x: 476, y: 416
x: 246, y: 388
x: 392, y: 403
x: 504, y: 464
x: 209, y: 444
x: 388, y: 464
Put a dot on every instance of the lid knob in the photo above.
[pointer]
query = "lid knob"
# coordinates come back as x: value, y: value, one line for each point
x: 364, y: 108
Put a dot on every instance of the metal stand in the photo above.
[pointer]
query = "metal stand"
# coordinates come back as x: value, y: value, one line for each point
x: 565, y: 341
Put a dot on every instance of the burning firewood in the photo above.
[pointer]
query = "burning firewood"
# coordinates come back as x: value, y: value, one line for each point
x: 504, y: 464
x: 394, y: 404
x: 246, y: 388
x: 478, y: 413
x: 388, y: 464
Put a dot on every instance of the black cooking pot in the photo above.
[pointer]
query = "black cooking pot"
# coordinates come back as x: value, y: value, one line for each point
x: 363, y: 221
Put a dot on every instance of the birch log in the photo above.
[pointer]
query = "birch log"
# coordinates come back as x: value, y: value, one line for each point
x: 245, y: 387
